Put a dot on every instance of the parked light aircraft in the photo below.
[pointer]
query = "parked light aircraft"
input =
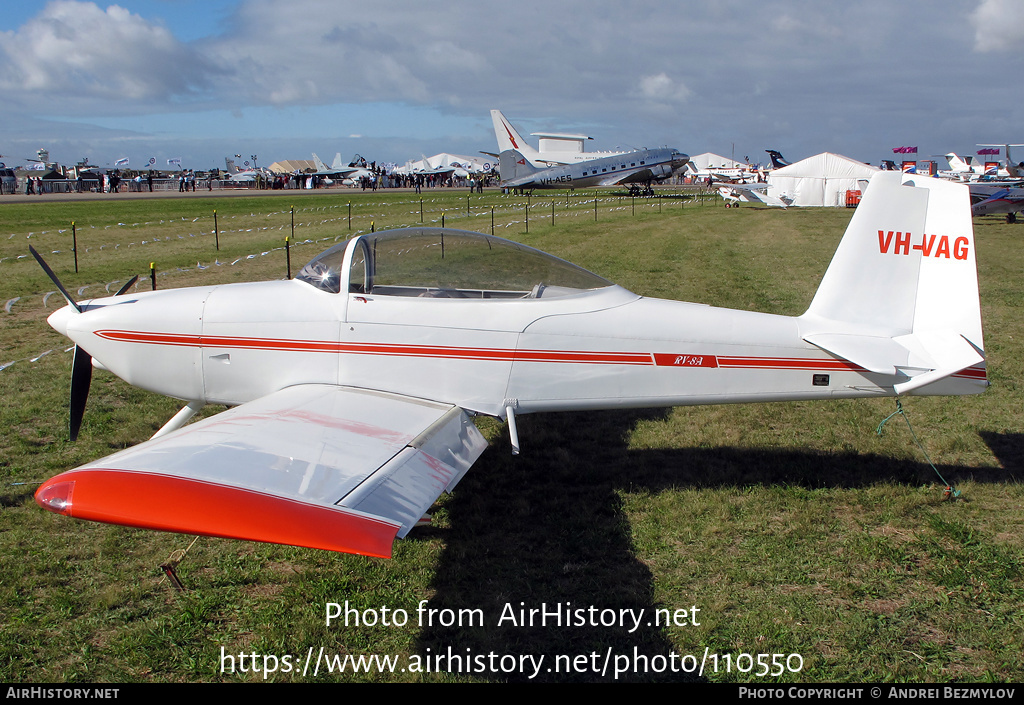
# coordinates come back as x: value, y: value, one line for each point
x: 641, y: 166
x: 752, y: 193
x: 720, y: 169
x: 993, y: 200
x: 354, y: 385
x: 555, y: 149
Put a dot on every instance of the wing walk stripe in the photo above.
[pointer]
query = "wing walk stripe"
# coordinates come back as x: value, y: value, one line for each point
x: 496, y: 354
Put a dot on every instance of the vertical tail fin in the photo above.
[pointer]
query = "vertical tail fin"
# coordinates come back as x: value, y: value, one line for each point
x: 901, y: 293
x: 513, y: 165
x: 508, y: 138
x: 778, y: 161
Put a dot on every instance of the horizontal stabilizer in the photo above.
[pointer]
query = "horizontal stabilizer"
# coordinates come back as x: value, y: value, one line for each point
x: 949, y: 351
x: 934, y: 355
x: 875, y: 354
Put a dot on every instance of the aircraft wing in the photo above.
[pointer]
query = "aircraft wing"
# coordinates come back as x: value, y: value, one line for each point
x: 760, y: 193
x: 320, y: 466
x: 756, y: 192
x: 642, y: 175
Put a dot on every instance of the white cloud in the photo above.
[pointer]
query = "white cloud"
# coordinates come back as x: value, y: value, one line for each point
x: 77, y: 50
x: 660, y: 88
x: 710, y: 74
x: 998, y: 25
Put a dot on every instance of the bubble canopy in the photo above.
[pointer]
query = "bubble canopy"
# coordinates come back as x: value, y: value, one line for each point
x: 445, y: 263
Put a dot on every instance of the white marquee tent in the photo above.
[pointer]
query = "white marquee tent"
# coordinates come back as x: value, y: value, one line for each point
x: 821, y: 180
x: 710, y: 160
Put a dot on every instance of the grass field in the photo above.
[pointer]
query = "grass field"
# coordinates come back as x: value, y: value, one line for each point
x: 792, y: 528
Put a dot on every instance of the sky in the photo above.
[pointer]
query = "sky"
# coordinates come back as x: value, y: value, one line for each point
x: 393, y: 80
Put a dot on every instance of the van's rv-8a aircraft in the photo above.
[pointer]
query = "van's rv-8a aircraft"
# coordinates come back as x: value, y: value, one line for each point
x: 642, y: 166
x: 354, y: 385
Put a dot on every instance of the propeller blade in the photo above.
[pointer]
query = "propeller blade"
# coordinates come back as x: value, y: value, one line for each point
x: 129, y: 285
x: 54, y: 279
x: 81, y: 378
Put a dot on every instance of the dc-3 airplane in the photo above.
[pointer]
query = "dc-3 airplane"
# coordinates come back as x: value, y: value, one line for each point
x: 355, y: 384
x: 641, y: 166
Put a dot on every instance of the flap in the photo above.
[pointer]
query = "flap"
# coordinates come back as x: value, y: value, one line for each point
x: 313, y: 465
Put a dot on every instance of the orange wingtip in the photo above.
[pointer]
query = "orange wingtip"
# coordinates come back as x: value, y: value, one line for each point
x: 165, y: 503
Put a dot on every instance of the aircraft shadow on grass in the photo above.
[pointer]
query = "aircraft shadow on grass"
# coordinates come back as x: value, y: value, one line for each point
x: 549, y: 527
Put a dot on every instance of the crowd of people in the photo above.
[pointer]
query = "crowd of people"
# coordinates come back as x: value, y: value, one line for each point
x: 373, y: 177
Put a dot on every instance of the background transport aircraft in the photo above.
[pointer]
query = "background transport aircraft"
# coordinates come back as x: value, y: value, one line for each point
x: 641, y: 166
x: 354, y: 385
x: 778, y: 161
x: 555, y: 148
x: 1013, y: 171
x: 972, y: 169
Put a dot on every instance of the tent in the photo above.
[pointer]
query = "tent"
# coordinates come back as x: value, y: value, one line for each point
x: 821, y: 180
x: 710, y: 160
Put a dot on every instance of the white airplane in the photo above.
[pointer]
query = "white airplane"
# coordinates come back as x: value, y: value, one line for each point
x: 734, y: 194
x: 355, y: 384
x: 235, y: 173
x: 555, y: 148
x: 641, y: 166
x: 971, y: 169
x: 720, y: 169
x: 1009, y: 170
x: 444, y: 163
x: 995, y: 200
x: 348, y: 174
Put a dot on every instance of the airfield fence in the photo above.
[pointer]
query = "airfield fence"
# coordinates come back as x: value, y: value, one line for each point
x: 253, y: 237
x: 499, y: 214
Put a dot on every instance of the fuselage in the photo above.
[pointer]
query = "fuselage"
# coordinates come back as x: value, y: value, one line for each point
x: 641, y: 166
x: 464, y: 319
x: 234, y: 343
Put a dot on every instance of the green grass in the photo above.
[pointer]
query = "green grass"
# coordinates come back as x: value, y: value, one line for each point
x: 794, y: 528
